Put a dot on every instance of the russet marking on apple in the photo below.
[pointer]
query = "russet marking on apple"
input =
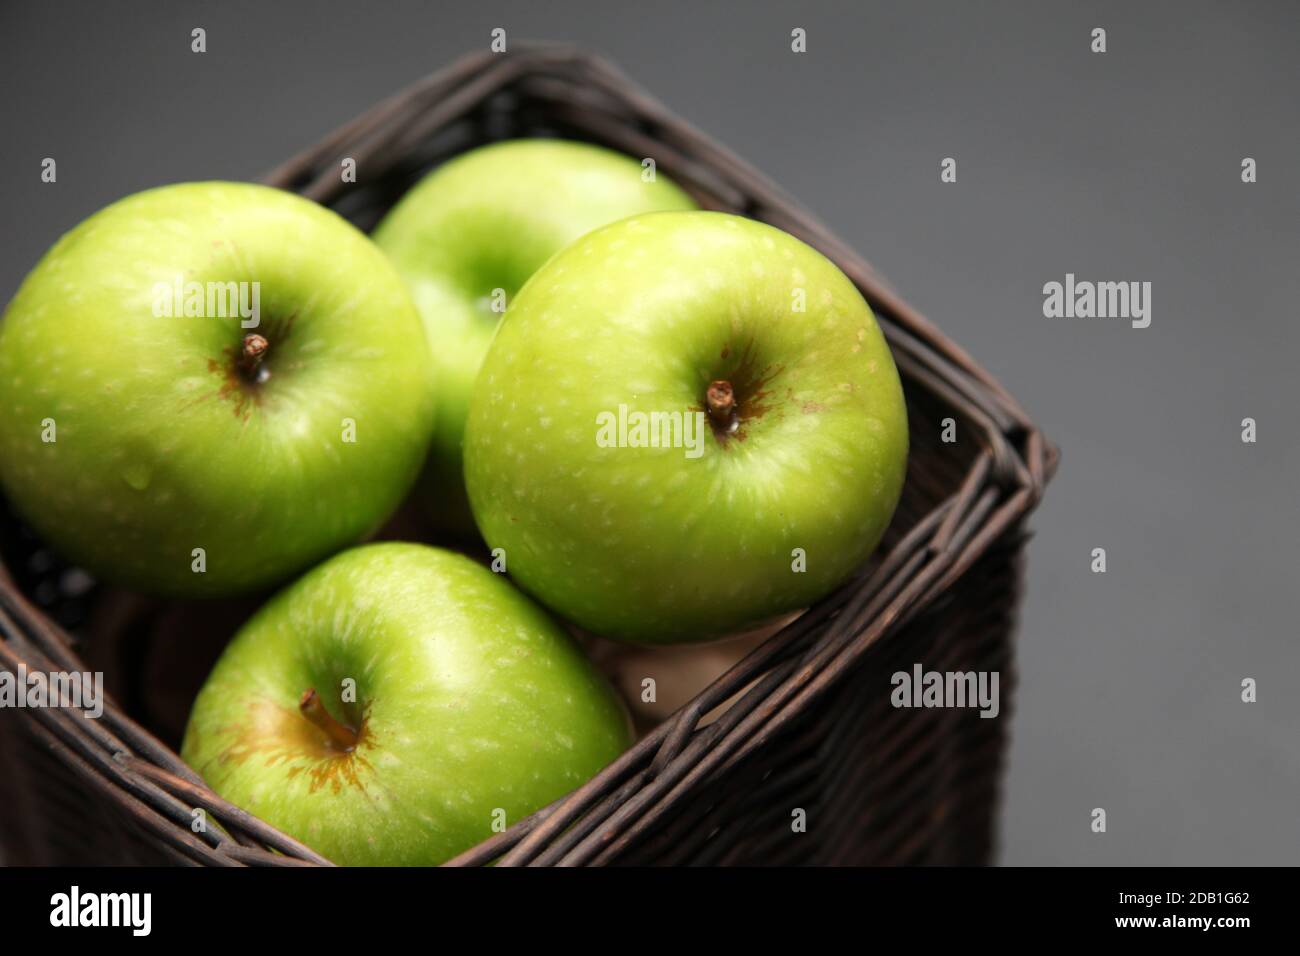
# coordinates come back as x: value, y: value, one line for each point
x: 277, y: 735
x: 340, y: 735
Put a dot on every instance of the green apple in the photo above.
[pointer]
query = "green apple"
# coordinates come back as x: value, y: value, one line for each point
x: 209, y: 386
x: 469, y: 235
x: 687, y: 423
x: 395, y: 704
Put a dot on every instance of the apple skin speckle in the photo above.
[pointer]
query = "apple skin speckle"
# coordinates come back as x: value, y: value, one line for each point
x: 469, y: 698
x: 646, y: 544
x: 160, y: 448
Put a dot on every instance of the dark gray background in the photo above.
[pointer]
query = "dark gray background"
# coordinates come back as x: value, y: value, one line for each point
x: 1122, y: 166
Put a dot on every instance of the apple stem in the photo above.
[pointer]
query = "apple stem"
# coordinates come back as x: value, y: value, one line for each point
x: 315, y: 711
x: 252, y: 352
x: 721, y: 401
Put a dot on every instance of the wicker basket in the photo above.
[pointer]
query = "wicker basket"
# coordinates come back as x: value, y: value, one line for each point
x: 803, y: 722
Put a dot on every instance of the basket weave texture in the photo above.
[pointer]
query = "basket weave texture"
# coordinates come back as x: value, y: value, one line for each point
x: 804, y: 722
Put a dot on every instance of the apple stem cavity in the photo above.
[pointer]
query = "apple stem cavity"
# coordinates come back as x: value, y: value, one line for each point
x: 343, y: 736
x: 251, y: 354
x: 721, y: 402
